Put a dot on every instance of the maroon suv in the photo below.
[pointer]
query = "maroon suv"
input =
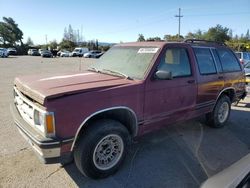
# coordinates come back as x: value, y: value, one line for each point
x: 132, y: 89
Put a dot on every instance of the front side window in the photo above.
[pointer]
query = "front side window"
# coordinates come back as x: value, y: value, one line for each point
x: 205, y: 61
x: 176, y: 61
x: 228, y: 60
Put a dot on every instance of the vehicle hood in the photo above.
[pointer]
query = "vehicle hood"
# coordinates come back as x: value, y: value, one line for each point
x: 41, y: 87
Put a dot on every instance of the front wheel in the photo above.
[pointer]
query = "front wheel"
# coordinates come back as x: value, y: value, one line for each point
x: 219, y: 116
x: 102, y: 148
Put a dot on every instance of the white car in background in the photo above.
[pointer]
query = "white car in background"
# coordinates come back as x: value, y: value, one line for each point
x: 3, y: 52
x: 244, y: 57
x: 79, y: 52
x: 93, y: 54
x: 65, y: 53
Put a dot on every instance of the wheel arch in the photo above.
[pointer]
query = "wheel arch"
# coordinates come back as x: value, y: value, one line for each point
x: 123, y: 114
x: 229, y: 91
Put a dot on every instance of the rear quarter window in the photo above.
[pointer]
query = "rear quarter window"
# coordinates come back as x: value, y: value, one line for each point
x: 228, y: 61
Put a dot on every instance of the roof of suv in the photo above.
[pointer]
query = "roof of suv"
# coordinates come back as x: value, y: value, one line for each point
x: 160, y: 44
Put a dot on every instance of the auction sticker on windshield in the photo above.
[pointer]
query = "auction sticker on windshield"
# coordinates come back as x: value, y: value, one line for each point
x: 147, y: 50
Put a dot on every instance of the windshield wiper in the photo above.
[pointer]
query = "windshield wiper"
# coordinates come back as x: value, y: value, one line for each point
x: 93, y: 69
x: 118, y: 73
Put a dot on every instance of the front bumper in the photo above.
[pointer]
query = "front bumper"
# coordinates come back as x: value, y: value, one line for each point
x: 48, y: 150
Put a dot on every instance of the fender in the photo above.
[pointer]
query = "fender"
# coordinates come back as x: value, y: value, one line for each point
x: 135, y: 126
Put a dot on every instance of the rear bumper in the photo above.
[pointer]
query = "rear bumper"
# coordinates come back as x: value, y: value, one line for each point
x: 48, y: 150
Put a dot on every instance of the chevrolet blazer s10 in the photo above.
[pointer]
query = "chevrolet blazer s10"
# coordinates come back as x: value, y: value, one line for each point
x: 132, y: 89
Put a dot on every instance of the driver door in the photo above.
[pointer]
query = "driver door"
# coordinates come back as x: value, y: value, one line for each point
x: 173, y: 99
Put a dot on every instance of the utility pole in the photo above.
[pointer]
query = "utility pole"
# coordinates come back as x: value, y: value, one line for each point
x: 46, y: 39
x: 179, y: 28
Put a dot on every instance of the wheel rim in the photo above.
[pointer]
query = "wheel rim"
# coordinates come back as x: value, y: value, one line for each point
x: 223, y: 112
x: 108, y: 152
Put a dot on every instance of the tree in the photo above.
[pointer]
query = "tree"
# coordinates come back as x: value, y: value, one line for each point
x: 67, y: 44
x: 9, y: 32
x: 140, y: 38
x: 154, y: 39
x: 70, y: 35
x: 172, y: 37
x: 247, y: 35
x: 5, y: 34
x: 53, y: 44
x: 197, y: 35
x: 29, y: 42
x: 217, y: 33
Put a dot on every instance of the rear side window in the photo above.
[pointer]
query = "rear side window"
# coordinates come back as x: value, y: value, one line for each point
x: 228, y: 60
x: 205, y: 60
x: 217, y: 61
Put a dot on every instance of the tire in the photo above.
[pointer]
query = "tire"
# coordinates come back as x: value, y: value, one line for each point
x: 95, y: 148
x: 219, y: 116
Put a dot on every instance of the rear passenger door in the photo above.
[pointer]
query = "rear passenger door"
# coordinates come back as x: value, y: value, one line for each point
x: 210, y: 77
x: 232, y: 70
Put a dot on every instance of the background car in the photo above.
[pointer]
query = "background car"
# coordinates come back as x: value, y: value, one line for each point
x: 33, y: 52
x: 247, y: 72
x: 244, y: 57
x: 12, y: 51
x: 40, y: 51
x: 79, y: 52
x: 65, y: 53
x: 3, y: 52
x: 46, y: 53
x: 93, y: 54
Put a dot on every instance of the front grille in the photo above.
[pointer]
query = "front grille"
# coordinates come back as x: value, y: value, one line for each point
x: 24, y: 106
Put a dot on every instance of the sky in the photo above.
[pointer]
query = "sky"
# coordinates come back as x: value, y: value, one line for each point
x: 122, y: 20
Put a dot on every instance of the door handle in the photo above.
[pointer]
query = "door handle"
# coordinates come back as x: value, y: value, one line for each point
x: 190, y: 81
x: 220, y: 77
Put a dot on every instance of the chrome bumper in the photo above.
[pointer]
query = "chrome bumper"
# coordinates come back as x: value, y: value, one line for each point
x: 47, y: 149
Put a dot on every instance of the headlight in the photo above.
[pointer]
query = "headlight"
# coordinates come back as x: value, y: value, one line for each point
x: 39, y: 118
x: 45, y: 122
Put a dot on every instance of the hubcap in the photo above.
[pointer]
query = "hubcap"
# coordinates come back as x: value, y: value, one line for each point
x: 223, y: 112
x: 108, y: 152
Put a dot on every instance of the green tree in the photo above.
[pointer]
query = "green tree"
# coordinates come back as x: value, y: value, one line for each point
x: 10, y: 32
x: 173, y: 37
x: 217, y: 33
x: 154, y: 39
x: 67, y: 44
x: 53, y: 44
x: 247, y: 35
x: 29, y: 42
x: 5, y: 34
x: 140, y: 38
x: 197, y: 35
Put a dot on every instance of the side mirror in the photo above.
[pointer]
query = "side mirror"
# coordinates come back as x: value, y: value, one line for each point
x: 163, y: 75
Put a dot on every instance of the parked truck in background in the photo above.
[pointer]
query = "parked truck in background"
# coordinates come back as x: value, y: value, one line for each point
x: 79, y: 52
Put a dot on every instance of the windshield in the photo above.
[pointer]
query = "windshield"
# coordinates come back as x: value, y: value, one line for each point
x: 130, y: 62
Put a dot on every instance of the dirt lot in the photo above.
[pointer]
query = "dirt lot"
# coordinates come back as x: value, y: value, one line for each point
x: 181, y: 155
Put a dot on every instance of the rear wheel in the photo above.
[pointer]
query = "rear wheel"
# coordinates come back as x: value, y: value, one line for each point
x: 219, y: 116
x: 102, y: 148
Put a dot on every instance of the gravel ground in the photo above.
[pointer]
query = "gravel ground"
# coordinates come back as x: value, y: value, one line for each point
x: 181, y: 155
